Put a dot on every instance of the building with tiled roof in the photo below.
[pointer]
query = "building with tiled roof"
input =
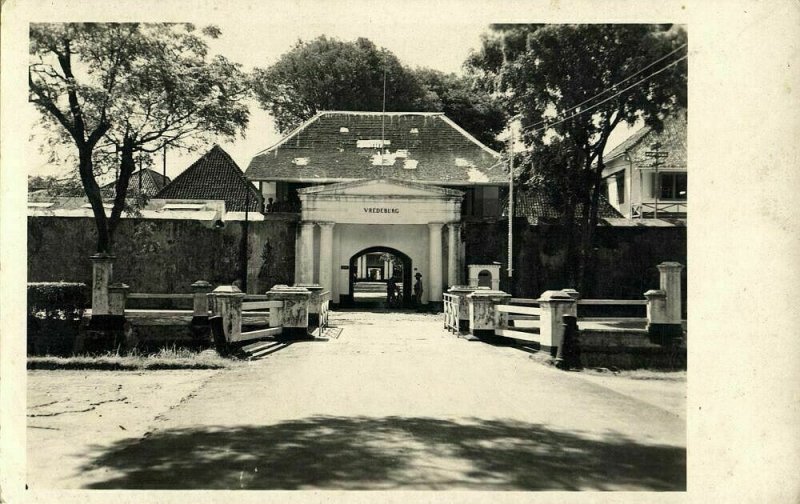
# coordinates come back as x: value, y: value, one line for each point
x: 341, y: 146
x: 215, y: 176
x: 372, y: 185
x: 538, y: 208
x: 143, y: 181
x: 636, y: 186
x: 337, y: 146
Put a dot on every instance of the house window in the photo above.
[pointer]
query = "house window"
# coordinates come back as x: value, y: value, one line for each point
x: 672, y: 186
x: 620, y: 179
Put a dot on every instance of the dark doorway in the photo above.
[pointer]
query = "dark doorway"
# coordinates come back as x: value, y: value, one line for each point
x: 370, y: 272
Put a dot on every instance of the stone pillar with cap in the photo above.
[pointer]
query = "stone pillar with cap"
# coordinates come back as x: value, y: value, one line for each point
x: 293, y: 316
x: 226, y: 302
x: 670, y: 283
x: 661, y: 329
x: 102, y: 273
x: 462, y: 291
x: 314, y: 302
x: 483, y: 317
x: 117, y: 297
x: 554, y: 305
x: 200, y: 290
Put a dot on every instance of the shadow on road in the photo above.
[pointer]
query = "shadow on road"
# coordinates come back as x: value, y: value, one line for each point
x: 387, y: 453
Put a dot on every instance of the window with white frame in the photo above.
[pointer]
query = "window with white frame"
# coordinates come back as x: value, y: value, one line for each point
x: 671, y: 186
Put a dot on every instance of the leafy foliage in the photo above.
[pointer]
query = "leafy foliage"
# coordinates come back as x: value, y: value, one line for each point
x: 329, y: 74
x: 57, y: 299
x: 545, y: 74
x: 54, y: 186
x: 117, y: 92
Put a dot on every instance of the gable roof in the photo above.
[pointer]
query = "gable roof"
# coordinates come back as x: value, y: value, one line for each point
x: 151, y: 183
x: 215, y: 176
x: 537, y: 207
x: 672, y: 138
x: 344, y: 145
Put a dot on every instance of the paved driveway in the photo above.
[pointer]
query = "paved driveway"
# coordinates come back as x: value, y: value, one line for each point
x: 395, y: 402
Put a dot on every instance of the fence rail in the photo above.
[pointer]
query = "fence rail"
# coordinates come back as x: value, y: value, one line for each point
x: 451, y: 314
x: 150, y: 295
x: 508, y: 325
x: 614, y: 302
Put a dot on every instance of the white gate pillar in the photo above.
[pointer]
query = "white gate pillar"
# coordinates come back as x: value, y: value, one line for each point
x: 453, y: 239
x: 304, y: 270
x: 326, y: 255
x: 435, y: 263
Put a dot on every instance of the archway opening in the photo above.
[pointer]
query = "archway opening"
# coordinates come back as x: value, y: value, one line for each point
x: 484, y: 279
x: 374, y: 272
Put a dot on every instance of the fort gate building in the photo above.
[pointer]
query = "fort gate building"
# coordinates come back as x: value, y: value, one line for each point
x: 380, y: 195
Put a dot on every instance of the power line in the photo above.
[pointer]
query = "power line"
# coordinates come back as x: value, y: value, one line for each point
x: 550, y: 125
x: 614, y: 86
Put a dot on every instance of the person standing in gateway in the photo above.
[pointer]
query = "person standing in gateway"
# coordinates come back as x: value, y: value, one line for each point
x: 418, y: 289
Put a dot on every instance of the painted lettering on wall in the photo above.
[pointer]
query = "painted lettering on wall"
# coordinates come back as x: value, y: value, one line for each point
x: 381, y: 210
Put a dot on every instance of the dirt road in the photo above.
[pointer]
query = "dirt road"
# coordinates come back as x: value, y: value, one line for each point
x: 394, y: 402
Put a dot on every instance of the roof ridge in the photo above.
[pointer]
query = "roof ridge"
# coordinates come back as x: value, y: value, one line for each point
x: 372, y: 112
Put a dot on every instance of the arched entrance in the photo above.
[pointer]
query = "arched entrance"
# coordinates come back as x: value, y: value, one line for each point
x: 370, y: 271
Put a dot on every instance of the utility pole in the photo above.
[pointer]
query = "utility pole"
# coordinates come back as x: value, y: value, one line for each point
x: 656, y: 155
x: 510, y: 201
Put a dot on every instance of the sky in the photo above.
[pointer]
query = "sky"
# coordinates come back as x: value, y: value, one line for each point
x: 255, y: 41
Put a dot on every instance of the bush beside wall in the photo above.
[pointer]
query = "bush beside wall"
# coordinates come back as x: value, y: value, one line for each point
x: 54, y: 315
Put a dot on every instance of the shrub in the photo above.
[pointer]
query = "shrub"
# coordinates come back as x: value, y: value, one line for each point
x: 54, y: 314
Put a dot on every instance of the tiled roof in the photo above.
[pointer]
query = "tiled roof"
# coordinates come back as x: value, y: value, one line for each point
x: 215, y: 176
x: 672, y: 138
x: 538, y: 207
x: 151, y: 183
x: 419, y: 146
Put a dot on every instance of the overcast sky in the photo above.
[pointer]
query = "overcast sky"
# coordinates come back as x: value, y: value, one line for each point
x: 259, y: 41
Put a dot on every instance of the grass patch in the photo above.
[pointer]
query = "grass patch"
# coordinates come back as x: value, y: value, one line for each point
x: 165, y: 358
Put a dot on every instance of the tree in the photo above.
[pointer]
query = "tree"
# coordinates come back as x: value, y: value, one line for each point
x: 329, y: 74
x: 54, y: 186
x: 560, y: 81
x: 469, y: 105
x: 116, y: 92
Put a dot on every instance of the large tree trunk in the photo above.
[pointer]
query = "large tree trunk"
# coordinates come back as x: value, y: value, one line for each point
x: 588, y: 252
x: 127, y: 165
x: 86, y: 170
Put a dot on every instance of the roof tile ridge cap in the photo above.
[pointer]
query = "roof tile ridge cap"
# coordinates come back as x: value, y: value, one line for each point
x: 642, y: 132
x: 292, y: 133
x: 469, y: 136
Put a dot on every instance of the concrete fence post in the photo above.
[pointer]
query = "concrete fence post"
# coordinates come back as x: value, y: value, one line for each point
x: 200, y: 290
x: 462, y: 291
x: 293, y: 316
x: 226, y: 301
x: 313, y: 302
x: 117, y: 298
x: 483, y: 317
x: 554, y: 305
x: 660, y: 327
x: 102, y: 273
x: 575, y: 295
x: 670, y: 283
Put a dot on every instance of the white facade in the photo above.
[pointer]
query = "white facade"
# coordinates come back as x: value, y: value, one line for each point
x: 339, y: 221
